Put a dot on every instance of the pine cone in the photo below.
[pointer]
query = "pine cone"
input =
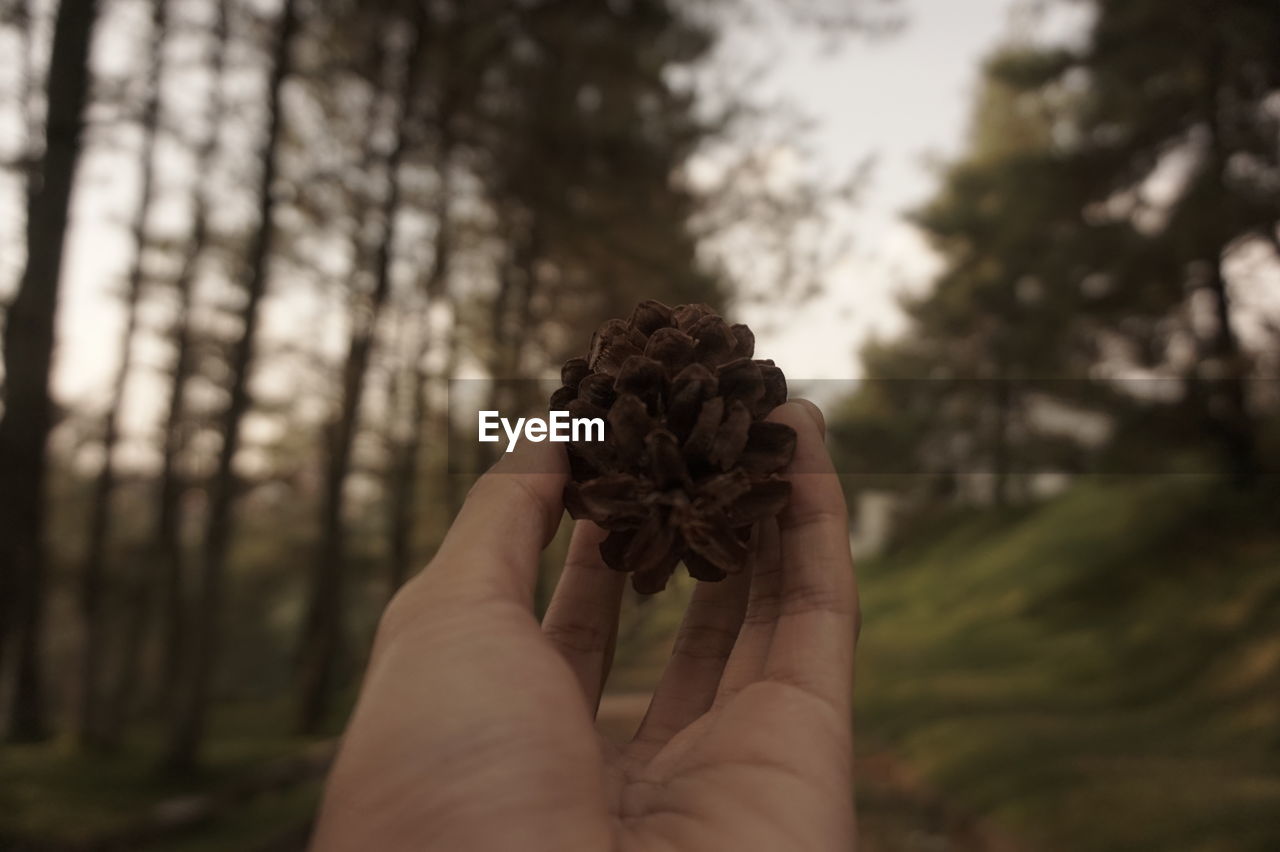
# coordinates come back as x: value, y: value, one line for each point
x: 688, y: 463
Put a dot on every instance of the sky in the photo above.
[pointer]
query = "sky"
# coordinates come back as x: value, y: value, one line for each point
x: 902, y: 100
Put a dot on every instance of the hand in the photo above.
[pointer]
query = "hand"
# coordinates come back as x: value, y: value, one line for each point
x: 474, y: 729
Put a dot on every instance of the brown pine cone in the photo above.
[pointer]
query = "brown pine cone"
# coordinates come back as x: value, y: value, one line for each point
x: 688, y: 463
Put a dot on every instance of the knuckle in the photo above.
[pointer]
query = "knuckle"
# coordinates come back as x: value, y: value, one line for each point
x: 803, y: 598
x: 766, y: 598
x: 799, y: 693
x: 414, y: 603
x: 405, y: 606
x: 504, y: 488
x: 814, y: 516
x: 706, y: 642
x: 580, y: 637
x: 764, y: 609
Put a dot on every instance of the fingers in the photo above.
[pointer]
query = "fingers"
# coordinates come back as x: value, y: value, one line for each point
x: 746, y: 663
x: 813, y: 639
x: 582, y: 619
x: 509, y: 516
x: 706, y: 638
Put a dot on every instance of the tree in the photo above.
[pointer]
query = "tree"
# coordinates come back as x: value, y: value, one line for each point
x: 89, y: 724
x: 193, y: 700
x: 166, y: 547
x: 323, y: 630
x: 950, y: 397
x: 1183, y: 85
x: 28, y: 350
x: 157, y: 576
x: 463, y: 47
x: 20, y: 14
x: 580, y: 197
x: 1056, y: 265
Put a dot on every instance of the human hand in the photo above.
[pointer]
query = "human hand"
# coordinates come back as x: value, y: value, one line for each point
x: 474, y: 729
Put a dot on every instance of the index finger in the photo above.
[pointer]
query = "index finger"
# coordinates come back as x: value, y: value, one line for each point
x: 813, y: 640
x: 508, y: 518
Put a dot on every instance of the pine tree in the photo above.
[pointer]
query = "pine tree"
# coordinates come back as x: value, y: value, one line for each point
x: 28, y: 349
x: 166, y: 544
x: 1183, y: 84
x: 90, y: 729
x: 323, y: 631
x: 192, y: 703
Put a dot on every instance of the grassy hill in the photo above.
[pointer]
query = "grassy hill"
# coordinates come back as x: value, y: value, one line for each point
x: 1101, y: 672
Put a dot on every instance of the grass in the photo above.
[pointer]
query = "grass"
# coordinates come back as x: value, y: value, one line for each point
x: 65, y: 799
x: 1094, y: 674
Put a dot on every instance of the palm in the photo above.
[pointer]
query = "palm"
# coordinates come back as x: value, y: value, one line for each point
x: 704, y: 782
x: 723, y: 763
x: 698, y: 788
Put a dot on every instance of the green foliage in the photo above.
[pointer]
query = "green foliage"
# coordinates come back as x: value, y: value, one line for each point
x: 1095, y: 673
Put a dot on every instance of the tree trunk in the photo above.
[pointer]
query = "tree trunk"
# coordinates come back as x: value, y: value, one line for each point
x: 165, y: 552
x: 166, y: 537
x: 1000, y: 440
x: 405, y: 452
x: 1230, y: 417
x: 522, y: 333
x: 192, y: 709
x: 22, y: 22
x: 406, y: 457
x: 457, y: 476
x: 322, y: 638
x: 1232, y: 421
x: 30, y: 124
x: 90, y: 722
x: 121, y: 698
x: 499, y: 330
x: 28, y: 351
x: 511, y: 318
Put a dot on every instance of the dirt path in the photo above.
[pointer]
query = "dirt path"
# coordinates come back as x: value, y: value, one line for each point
x: 897, y: 812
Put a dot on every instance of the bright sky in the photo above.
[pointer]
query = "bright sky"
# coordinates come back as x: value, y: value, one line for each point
x: 902, y: 100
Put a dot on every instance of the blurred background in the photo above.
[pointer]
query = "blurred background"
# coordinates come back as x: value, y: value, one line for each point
x: 1024, y: 252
